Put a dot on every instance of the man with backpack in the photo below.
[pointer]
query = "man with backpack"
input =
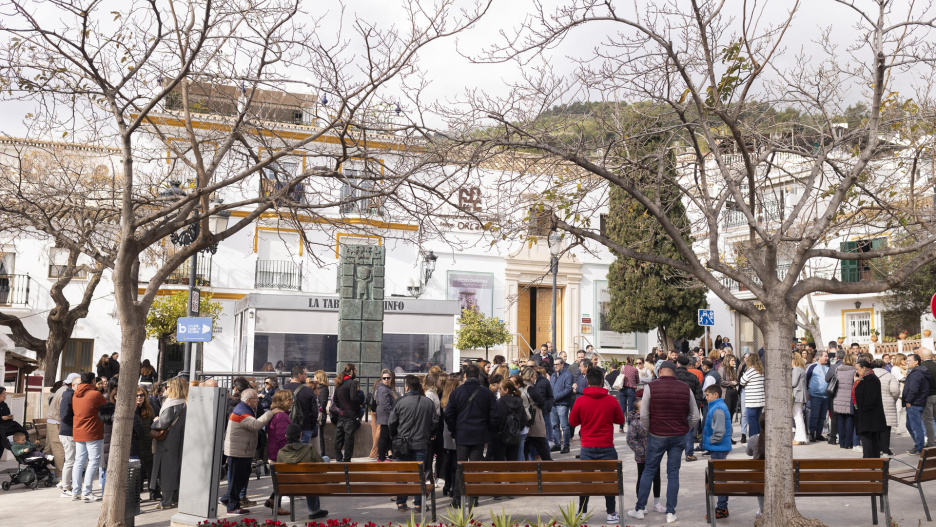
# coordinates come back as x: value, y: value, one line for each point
x: 471, y: 414
x: 305, y: 405
x: 597, y: 412
x: 412, y: 423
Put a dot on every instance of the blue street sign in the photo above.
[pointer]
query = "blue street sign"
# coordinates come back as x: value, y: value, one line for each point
x: 706, y: 317
x: 193, y: 329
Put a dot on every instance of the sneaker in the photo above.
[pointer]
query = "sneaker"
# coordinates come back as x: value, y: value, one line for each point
x: 76, y: 496
x: 913, y: 452
x: 721, y: 513
x: 554, y: 448
x: 90, y: 498
x: 856, y: 448
x: 247, y: 502
x: 66, y: 493
x: 238, y: 512
x: 691, y: 458
x: 671, y: 518
x: 50, y: 457
x: 613, y: 518
x: 565, y: 450
x: 634, y: 513
x: 659, y: 507
x: 321, y: 513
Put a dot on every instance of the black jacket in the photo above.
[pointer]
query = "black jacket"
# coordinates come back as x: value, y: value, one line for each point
x: 114, y: 367
x: 869, y: 406
x: 689, y: 378
x: 546, y: 363
x: 414, y: 418
x: 506, y: 405
x: 308, y: 403
x: 106, y: 414
x: 542, y: 394
x: 916, y: 387
x: 930, y: 366
x: 66, y: 414
x: 347, y: 399
x: 471, y: 424
x: 103, y: 370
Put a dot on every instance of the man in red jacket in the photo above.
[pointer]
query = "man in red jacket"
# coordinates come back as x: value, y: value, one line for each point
x: 597, y: 412
x: 88, y: 433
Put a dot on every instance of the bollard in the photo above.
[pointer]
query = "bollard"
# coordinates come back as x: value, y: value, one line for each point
x: 134, y: 487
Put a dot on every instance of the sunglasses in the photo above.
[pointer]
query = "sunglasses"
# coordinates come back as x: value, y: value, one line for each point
x: 386, y: 378
x: 638, y: 363
x: 140, y: 395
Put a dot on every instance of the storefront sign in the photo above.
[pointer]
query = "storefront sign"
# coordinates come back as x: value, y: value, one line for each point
x: 332, y: 303
x: 607, y: 338
x: 473, y: 291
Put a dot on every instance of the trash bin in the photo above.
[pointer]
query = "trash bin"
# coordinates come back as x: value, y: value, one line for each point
x: 134, y: 487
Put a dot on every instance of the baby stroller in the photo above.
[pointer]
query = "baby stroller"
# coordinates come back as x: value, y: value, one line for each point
x: 29, y: 472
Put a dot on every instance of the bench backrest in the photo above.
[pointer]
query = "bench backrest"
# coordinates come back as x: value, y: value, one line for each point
x: 926, y: 469
x: 546, y: 478
x: 403, y: 478
x: 812, y: 477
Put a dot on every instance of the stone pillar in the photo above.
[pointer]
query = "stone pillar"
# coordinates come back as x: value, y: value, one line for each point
x: 360, y: 313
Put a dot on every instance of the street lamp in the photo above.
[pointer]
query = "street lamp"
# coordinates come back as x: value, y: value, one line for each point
x: 555, y: 248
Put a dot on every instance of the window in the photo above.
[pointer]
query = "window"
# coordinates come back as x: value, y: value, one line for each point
x: 860, y: 270
x: 858, y: 326
x: 58, y: 262
x: 276, y: 176
x: 357, y: 192
x: 540, y: 221
x: 78, y: 356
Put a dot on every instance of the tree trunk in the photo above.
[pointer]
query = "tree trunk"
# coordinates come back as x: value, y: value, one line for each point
x: 779, y: 503
x: 159, y: 360
x: 133, y: 334
x: 49, y: 361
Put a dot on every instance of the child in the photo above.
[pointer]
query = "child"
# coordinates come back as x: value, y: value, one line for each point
x: 637, y: 438
x: 716, y: 435
x: 755, y: 448
x: 27, y: 449
x: 297, y: 452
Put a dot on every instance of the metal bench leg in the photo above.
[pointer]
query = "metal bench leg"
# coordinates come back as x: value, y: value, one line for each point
x: 433, y: 497
x: 275, y: 505
x: 874, y: 511
x: 923, y: 499
x: 708, y: 508
x: 292, y: 508
x: 887, y: 514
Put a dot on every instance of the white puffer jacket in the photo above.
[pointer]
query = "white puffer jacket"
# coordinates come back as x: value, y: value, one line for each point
x: 890, y: 391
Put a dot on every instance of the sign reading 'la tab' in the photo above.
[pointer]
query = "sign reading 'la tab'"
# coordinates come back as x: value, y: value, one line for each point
x: 332, y: 304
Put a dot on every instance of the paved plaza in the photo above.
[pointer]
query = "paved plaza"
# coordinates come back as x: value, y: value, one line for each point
x: 44, y: 507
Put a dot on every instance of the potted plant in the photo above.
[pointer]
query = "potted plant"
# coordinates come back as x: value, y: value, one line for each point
x: 804, y: 340
x: 840, y: 340
x: 927, y: 333
x: 902, y: 335
x: 874, y: 335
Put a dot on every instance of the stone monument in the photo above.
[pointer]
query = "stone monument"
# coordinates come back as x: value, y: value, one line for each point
x: 361, y: 309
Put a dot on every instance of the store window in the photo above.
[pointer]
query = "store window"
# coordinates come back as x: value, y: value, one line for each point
x: 78, y: 356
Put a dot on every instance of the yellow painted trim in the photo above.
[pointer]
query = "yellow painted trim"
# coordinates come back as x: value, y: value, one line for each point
x: 351, y: 234
x: 277, y: 229
x: 214, y: 296
x: 844, y: 311
x: 337, y: 221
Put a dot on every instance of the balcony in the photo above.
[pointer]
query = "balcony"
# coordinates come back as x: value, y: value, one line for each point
x: 202, y: 272
x: 14, y: 289
x: 269, y: 187
x: 733, y: 285
x: 766, y: 212
x: 278, y: 274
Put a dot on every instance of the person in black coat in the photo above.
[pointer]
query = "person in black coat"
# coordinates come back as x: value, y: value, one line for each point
x: 471, y: 414
x: 870, y: 420
x: 113, y: 365
x: 103, y: 367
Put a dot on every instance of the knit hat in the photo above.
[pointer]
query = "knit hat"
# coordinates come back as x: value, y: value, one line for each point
x: 293, y: 431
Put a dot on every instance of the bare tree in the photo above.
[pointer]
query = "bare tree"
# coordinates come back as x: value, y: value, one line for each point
x: 772, y: 179
x: 209, y: 94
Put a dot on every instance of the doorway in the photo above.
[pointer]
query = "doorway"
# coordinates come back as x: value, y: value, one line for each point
x: 534, y: 317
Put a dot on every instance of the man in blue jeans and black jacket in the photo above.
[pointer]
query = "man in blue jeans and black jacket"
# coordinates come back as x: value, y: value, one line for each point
x: 564, y: 397
x: 915, y: 394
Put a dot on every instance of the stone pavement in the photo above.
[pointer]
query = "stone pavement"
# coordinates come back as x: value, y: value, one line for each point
x: 43, y: 507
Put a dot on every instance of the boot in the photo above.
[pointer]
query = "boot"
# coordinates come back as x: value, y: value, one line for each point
x: 833, y: 440
x: 743, y: 439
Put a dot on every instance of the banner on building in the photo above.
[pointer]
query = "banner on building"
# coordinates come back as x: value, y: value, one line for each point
x: 473, y: 291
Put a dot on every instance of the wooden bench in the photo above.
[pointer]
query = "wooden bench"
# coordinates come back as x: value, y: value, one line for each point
x: 541, y: 478
x: 41, y: 426
x: 914, y: 477
x: 395, y: 478
x: 811, y: 478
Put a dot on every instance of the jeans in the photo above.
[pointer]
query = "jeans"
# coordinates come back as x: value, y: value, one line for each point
x: 547, y: 420
x: 753, y: 420
x: 593, y: 452
x: 672, y: 446
x: 344, y: 439
x: 520, y: 453
x: 722, y: 500
x: 915, y: 426
x: 744, y: 421
x: 238, y: 475
x: 846, y: 430
x: 86, y: 453
x: 929, y: 414
x: 465, y: 453
x: 417, y: 455
x: 626, y: 397
x: 690, y: 442
x: 560, y: 419
x: 818, y: 408
x: 69, y: 465
x: 306, y: 436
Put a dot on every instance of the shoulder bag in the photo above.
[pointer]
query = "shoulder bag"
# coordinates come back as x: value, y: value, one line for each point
x: 161, y: 435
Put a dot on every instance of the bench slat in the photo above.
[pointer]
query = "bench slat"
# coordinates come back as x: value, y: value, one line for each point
x: 738, y: 489
x: 327, y: 489
x: 389, y: 466
x: 737, y: 464
x: 549, y: 489
x: 740, y: 475
x: 353, y: 477
x: 547, y: 466
x: 841, y: 464
x: 832, y: 476
x: 558, y: 477
x: 825, y: 489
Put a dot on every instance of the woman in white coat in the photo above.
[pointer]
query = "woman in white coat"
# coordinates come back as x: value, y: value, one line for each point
x: 799, y: 399
x: 890, y: 392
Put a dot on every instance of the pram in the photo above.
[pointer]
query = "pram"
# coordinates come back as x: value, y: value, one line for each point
x: 29, y: 472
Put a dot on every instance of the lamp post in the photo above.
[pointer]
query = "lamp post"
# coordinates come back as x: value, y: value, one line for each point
x: 555, y: 248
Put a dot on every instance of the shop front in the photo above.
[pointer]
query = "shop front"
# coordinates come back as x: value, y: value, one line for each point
x: 290, y: 330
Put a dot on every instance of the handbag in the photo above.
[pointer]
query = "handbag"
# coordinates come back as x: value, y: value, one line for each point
x: 400, y: 446
x: 619, y: 381
x: 161, y: 435
x: 832, y: 387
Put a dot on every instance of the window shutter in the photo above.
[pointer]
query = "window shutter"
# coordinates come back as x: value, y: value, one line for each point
x: 849, y: 267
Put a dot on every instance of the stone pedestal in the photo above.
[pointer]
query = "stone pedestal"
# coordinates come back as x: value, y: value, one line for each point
x: 360, y: 313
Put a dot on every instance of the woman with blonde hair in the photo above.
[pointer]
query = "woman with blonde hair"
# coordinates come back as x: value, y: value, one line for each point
x: 899, y: 371
x: 450, y: 462
x: 167, y: 454
x: 799, y: 398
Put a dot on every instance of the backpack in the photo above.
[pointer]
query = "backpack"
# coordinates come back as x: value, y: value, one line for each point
x: 371, y: 402
x: 295, y: 412
x: 510, y: 435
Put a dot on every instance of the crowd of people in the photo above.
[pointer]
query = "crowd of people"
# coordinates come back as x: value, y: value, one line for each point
x: 674, y: 403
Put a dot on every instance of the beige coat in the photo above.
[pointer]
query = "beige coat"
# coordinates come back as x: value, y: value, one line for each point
x: 241, y: 437
x: 890, y: 391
